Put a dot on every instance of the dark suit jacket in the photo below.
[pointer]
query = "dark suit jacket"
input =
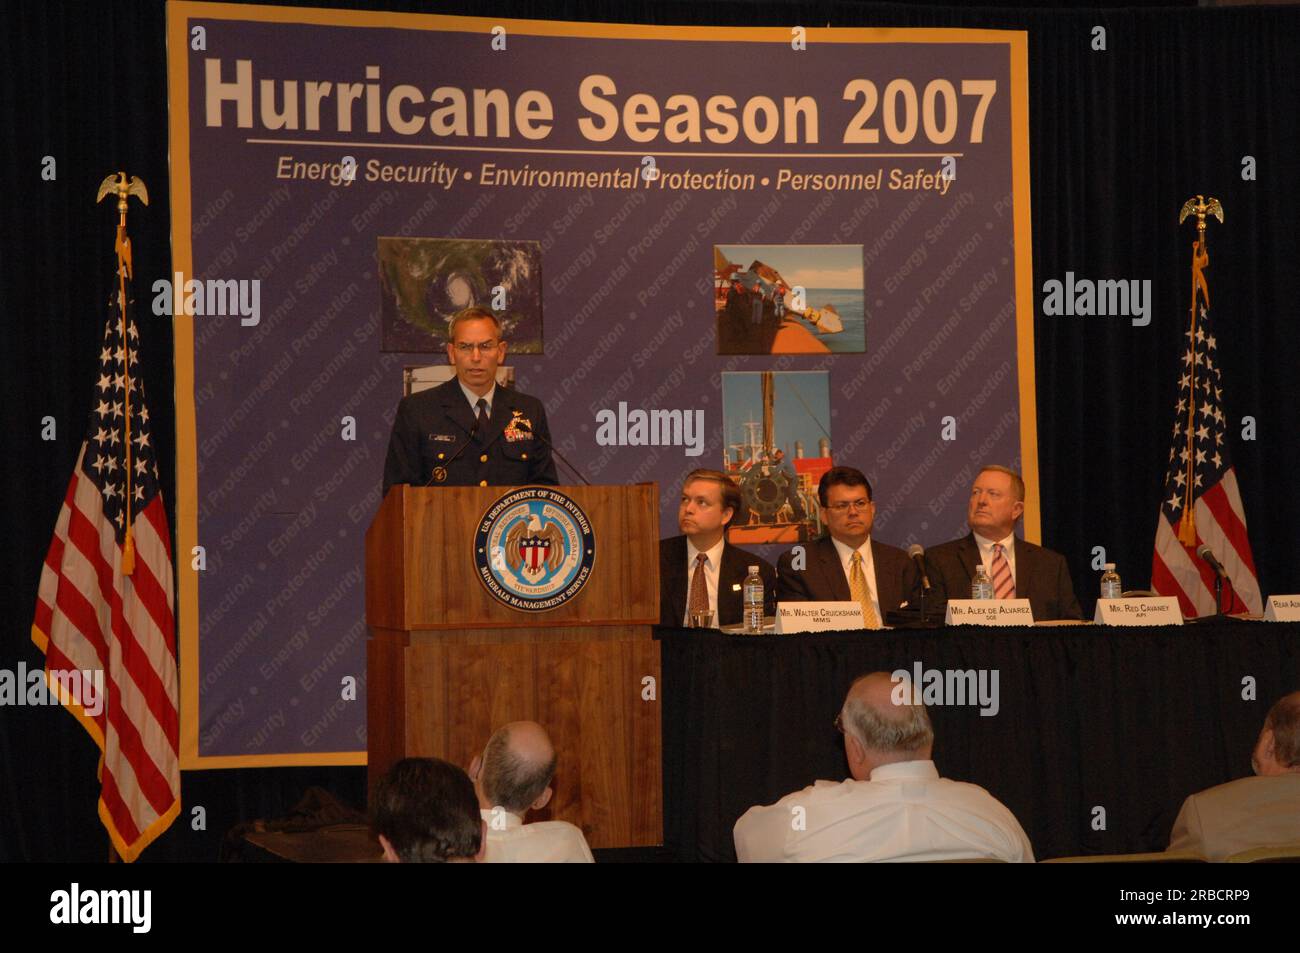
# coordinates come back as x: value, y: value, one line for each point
x: 823, y: 579
x: 433, y: 425
x: 675, y: 581
x: 1042, y: 576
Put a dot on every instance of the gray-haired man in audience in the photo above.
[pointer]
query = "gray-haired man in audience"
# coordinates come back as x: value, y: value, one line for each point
x: 894, y: 807
x: 512, y: 777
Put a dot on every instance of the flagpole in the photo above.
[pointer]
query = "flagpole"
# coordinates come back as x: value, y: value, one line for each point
x: 122, y: 246
x: 1200, y: 260
x: 138, y: 648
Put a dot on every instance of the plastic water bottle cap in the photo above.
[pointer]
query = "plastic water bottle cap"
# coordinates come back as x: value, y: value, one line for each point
x: 753, y: 569
x: 1108, y: 566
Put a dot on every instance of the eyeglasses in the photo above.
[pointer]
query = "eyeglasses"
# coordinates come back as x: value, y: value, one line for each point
x: 482, y: 348
x: 854, y: 505
x: 839, y: 723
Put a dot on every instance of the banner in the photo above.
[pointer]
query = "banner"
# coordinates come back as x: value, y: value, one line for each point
x: 764, y: 249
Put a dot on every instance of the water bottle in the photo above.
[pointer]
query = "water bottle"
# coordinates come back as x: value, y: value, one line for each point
x: 1110, y: 584
x: 981, y: 587
x: 753, y: 598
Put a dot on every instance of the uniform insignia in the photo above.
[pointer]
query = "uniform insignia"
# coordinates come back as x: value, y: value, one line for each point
x: 442, y: 437
x: 512, y: 431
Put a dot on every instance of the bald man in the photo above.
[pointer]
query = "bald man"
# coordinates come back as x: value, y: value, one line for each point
x: 1260, y: 811
x: 893, y: 807
x: 512, y: 777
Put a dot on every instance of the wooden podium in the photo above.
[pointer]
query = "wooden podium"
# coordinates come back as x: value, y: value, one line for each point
x: 448, y: 663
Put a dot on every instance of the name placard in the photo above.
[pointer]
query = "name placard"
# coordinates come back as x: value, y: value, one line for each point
x: 817, y: 616
x: 1153, y: 610
x: 1282, y: 609
x: 989, y: 612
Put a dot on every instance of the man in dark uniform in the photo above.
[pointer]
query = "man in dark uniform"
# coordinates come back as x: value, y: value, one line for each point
x: 700, y: 567
x: 469, y: 431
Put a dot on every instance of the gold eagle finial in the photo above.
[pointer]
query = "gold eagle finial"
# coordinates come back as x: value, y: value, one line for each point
x: 119, y: 184
x: 1201, y: 208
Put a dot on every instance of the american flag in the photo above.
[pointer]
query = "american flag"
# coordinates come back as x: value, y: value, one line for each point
x: 95, y: 613
x: 1202, y: 504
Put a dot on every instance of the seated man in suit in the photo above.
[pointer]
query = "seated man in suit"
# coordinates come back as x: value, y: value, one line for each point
x: 1018, y: 569
x: 893, y: 807
x: 1262, y: 811
x: 847, y: 564
x: 425, y: 812
x: 512, y: 777
x: 700, y: 569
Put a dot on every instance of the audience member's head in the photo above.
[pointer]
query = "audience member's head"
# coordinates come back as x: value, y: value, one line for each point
x: 1278, y: 749
x: 515, y: 770
x: 424, y: 811
x: 878, y: 730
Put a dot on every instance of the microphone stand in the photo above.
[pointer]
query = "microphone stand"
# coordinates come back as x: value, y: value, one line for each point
x: 440, y: 472
x: 555, y: 450
x: 1219, y: 615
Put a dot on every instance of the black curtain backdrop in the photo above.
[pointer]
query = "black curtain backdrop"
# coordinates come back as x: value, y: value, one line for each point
x: 1119, y: 140
x: 1130, y: 722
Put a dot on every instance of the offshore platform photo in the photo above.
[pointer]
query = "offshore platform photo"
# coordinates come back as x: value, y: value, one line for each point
x: 780, y: 490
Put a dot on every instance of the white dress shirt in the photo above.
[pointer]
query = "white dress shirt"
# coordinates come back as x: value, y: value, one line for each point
x: 473, y: 398
x: 1008, y: 551
x: 712, y: 568
x: 511, y: 841
x: 906, y: 812
x: 868, y: 570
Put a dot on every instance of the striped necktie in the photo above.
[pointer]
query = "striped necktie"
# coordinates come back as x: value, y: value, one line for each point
x: 1004, y: 587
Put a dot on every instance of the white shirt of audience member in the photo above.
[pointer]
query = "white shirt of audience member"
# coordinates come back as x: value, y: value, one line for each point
x: 905, y: 812
x: 511, y: 841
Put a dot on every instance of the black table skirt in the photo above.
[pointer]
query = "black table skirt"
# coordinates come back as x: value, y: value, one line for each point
x: 1129, y: 721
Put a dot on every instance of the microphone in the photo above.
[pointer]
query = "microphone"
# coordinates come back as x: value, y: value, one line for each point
x: 917, y: 552
x: 472, y: 431
x: 528, y: 429
x: 1211, y: 560
x: 917, y: 616
x: 440, y: 472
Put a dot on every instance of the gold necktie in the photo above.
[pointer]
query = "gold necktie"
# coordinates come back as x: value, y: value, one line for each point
x: 858, y: 586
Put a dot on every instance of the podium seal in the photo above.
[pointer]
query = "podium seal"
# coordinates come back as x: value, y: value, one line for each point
x: 534, y: 549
